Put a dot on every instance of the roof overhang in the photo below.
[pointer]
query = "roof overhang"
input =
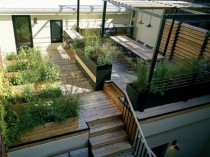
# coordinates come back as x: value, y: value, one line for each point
x: 189, y: 9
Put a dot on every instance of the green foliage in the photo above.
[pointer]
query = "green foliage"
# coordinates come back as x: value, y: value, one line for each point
x: 8, y: 124
x: 28, y: 95
x: 78, y: 44
x: 17, y: 120
x: 167, y: 73
x: 48, y: 72
x: 11, y: 56
x: 20, y: 66
x: 35, y: 69
x: 100, y: 51
x: 5, y: 89
x: 142, y: 76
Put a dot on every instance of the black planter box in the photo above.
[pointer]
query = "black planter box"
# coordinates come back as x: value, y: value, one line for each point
x: 141, y: 101
x: 97, y: 73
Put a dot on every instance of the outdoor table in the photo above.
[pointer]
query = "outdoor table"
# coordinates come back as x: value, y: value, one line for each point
x: 135, y: 47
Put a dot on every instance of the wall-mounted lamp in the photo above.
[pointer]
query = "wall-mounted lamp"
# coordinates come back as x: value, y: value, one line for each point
x: 176, y: 147
x: 35, y: 20
x: 141, y: 22
x: 150, y: 25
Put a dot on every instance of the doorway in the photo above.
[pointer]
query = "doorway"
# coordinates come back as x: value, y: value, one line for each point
x: 22, y: 31
x: 56, y: 29
x: 160, y: 150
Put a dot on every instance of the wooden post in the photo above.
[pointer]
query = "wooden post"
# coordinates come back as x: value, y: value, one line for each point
x: 78, y: 7
x: 156, y: 50
x: 103, y: 19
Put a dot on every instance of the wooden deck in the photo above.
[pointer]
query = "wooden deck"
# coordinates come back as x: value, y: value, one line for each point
x: 95, y: 105
x: 98, y: 111
x: 72, y: 77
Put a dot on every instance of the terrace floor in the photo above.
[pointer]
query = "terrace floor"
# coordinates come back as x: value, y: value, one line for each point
x: 95, y: 105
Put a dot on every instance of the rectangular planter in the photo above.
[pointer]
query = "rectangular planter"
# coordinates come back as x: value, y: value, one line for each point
x: 141, y: 101
x: 48, y: 130
x: 97, y: 73
x: 37, y: 86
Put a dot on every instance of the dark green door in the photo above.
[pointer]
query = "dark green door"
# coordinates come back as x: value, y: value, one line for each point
x: 56, y: 29
x: 22, y: 30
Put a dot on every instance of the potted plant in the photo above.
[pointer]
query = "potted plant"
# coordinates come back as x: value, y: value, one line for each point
x: 95, y: 60
x: 137, y: 90
x: 170, y: 83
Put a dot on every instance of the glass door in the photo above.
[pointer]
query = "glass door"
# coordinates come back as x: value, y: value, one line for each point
x: 22, y: 31
x: 56, y: 28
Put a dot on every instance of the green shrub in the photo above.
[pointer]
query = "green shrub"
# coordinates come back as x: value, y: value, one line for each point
x: 78, y: 44
x: 28, y: 95
x: 142, y: 77
x: 5, y: 89
x: 20, y: 66
x: 9, y: 121
x: 15, y: 121
x: 11, y: 56
x: 48, y: 72
x: 100, y: 51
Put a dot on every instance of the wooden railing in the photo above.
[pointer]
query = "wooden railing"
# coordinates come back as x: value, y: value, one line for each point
x: 133, y: 129
x: 177, y: 81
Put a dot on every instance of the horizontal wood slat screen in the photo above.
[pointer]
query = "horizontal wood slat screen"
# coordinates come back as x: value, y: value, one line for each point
x: 186, y: 42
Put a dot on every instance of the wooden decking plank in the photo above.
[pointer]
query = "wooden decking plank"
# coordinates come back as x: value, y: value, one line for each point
x: 112, y: 149
x: 108, y: 138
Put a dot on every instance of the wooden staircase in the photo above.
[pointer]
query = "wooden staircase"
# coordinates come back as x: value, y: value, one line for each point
x: 108, y: 137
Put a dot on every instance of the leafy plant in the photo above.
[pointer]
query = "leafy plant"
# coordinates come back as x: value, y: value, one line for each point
x: 20, y: 66
x: 78, y: 44
x: 142, y: 77
x: 100, y: 51
x: 11, y: 56
x: 5, y: 89
x: 28, y: 95
x: 8, y: 124
x: 48, y: 72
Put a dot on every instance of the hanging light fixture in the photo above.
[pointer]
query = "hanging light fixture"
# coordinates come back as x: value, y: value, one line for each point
x: 150, y: 25
x: 174, y: 144
x: 141, y: 22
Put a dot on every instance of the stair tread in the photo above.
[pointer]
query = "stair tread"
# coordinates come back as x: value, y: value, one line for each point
x: 128, y: 154
x: 111, y: 149
x: 98, y: 118
x: 108, y: 137
x: 105, y: 125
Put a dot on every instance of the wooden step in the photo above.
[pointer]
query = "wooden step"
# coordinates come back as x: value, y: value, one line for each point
x: 101, y: 128
x: 129, y: 154
x: 113, y: 149
x: 108, y: 138
x: 106, y: 117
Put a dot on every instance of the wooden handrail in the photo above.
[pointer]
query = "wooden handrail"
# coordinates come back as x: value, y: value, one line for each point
x: 150, y: 152
x: 133, y: 128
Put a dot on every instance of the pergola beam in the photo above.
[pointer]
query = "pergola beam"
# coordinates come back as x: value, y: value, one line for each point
x: 187, y: 17
x: 135, y: 9
x: 78, y: 7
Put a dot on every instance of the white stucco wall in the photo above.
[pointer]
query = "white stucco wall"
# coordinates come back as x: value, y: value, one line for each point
x: 142, y: 32
x: 52, y: 148
x: 191, y: 130
x: 41, y: 30
x: 7, y: 39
